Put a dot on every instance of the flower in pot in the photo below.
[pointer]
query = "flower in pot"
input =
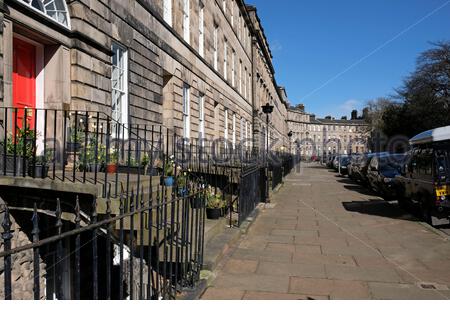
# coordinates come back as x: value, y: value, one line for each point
x: 182, y: 184
x: 168, y: 179
x: 214, y: 204
x: 20, y: 148
x: 197, y: 196
x: 112, y: 166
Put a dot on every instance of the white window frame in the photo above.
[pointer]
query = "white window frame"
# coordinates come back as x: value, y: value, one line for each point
x: 249, y: 86
x: 240, y: 26
x: 234, y: 131
x: 167, y: 11
x: 246, y: 133
x: 245, y: 83
x: 186, y: 21
x: 240, y: 76
x: 232, y: 13
x: 215, y: 46
x: 186, y: 111
x: 201, y: 118
x: 56, y: 10
x: 225, y: 59
x: 226, y: 126
x: 241, y: 135
x: 120, y: 111
x: 233, y: 68
x: 201, y: 30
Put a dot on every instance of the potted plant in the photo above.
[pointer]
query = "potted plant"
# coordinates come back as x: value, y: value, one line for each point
x: 214, y: 204
x: 112, y: 166
x: 198, y: 199
x: 19, y: 149
x: 41, y: 166
x: 182, y: 184
x: 168, y: 179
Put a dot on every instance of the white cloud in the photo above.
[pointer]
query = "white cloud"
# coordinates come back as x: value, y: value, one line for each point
x: 276, y: 46
x: 350, y: 105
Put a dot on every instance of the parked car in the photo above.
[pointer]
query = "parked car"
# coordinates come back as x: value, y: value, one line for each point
x: 425, y: 179
x: 382, y: 171
x: 330, y: 161
x: 344, y: 163
x: 363, y: 166
x: 352, y: 166
x: 336, y: 163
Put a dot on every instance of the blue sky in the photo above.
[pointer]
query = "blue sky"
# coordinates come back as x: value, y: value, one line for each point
x: 334, y: 56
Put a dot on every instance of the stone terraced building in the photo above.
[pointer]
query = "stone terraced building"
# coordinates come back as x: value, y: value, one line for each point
x: 200, y: 68
x: 321, y: 137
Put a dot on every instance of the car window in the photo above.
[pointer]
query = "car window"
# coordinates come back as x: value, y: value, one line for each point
x: 423, y: 164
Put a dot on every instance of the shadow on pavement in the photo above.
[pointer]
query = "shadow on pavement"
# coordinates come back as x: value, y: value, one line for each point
x: 379, y: 208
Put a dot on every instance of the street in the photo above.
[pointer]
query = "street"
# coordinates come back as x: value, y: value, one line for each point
x: 325, y: 237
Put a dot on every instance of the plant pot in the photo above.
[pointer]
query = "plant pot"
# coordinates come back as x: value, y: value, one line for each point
x: 213, y: 213
x: 167, y: 181
x: 197, y: 202
x: 111, y: 168
x: 183, y: 192
x: 154, y: 172
x: 9, y: 159
x: 40, y: 171
x: 131, y: 170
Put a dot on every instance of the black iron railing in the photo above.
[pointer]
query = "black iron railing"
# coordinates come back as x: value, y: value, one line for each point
x: 108, y: 257
x: 148, y: 243
x: 251, y: 191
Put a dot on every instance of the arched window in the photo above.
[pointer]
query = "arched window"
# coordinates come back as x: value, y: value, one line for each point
x: 54, y: 9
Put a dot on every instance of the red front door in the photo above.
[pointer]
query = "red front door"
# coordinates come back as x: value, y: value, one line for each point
x: 24, y: 83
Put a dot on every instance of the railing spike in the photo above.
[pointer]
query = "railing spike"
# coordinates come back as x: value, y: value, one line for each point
x: 58, y: 214
x: 94, y: 209
x: 35, y: 220
x: 77, y: 212
x: 6, y: 224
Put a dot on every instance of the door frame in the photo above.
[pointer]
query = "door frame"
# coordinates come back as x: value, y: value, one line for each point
x: 40, y: 85
x: 40, y: 70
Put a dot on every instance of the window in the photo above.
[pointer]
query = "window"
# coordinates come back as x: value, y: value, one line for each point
x: 186, y: 112
x: 186, y: 21
x: 240, y: 76
x: 201, y: 30
x: 232, y: 13
x: 167, y: 11
x: 226, y: 125
x: 215, y: 46
x: 249, y: 86
x: 242, y: 131
x: 234, y: 131
x: 54, y: 9
x: 225, y: 59
x: 233, y: 68
x: 240, y: 26
x: 245, y: 84
x: 246, y: 133
x: 201, y: 118
x: 119, y: 84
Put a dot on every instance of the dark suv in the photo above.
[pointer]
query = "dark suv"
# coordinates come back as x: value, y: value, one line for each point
x: 425, y: 178
x: 382, y: 172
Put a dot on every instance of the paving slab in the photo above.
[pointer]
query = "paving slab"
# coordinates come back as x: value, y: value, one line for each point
x: 325, y: 237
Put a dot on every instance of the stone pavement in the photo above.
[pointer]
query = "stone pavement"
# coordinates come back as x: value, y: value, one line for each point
x: 324, y: 237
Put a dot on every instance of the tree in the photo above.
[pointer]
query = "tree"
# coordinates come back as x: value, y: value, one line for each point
x: 423, y: 100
